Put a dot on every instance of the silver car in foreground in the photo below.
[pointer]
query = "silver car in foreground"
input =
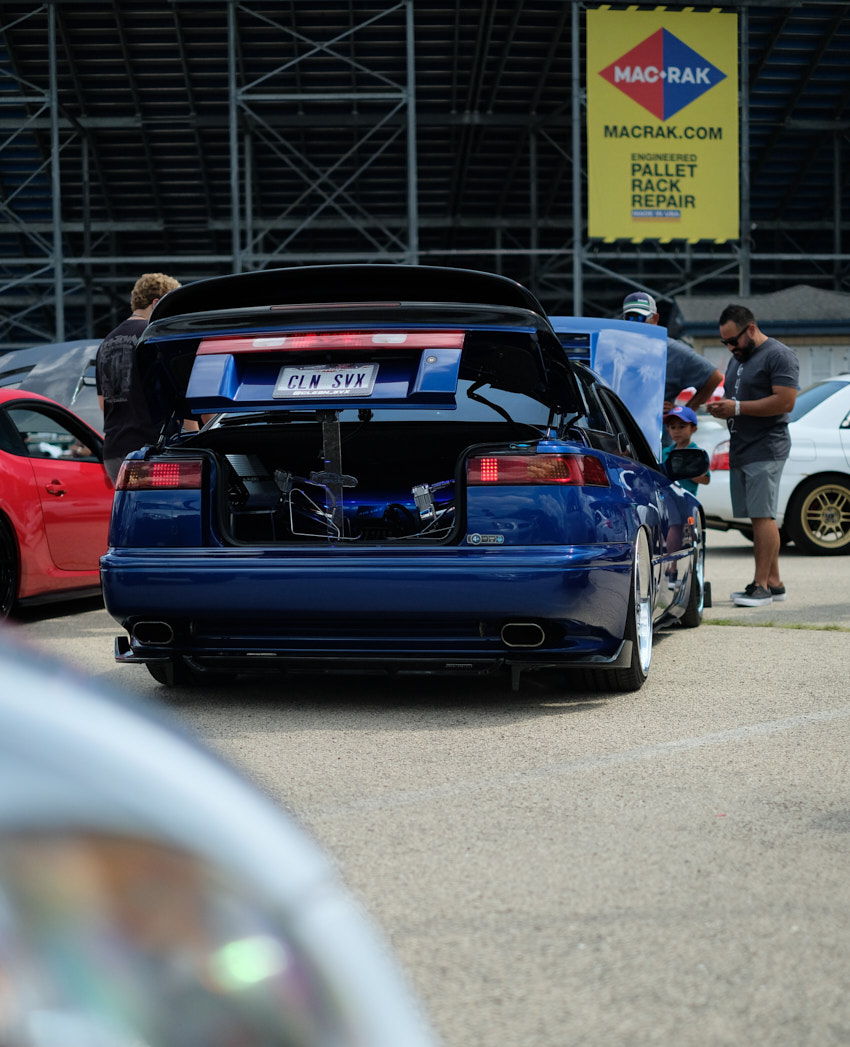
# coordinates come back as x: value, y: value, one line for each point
x: 149, y: 895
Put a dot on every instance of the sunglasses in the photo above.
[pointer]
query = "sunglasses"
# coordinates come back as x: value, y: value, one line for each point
x: 734, y: 341
x: 637, y: 317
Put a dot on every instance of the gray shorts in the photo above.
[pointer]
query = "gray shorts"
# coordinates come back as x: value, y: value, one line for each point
x: 755, y: 489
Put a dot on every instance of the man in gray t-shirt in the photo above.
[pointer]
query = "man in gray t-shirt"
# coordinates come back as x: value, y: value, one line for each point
x: 761, y: 387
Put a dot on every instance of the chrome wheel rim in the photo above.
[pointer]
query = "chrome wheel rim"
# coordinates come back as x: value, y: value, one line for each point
x: 643, y: 600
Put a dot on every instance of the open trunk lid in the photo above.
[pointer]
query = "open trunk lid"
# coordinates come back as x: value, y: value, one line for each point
x: 631, y: 358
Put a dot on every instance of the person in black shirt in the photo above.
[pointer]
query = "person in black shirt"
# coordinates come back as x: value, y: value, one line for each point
x: 128, y: 423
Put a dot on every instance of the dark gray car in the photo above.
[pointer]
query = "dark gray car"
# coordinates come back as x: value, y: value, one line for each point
x: 64, y: 371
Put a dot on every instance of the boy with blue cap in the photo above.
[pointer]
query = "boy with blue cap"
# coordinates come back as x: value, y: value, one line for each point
x: 681, y: 424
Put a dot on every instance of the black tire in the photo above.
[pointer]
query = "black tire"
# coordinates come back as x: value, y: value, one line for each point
x: 174, y: 673
x: 8, y: 571
x: 638, y: 631
x: 818, y: 516
x: 696, y: 597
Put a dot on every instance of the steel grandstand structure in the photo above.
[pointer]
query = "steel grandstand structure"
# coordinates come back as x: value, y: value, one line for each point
x: 204, y: 138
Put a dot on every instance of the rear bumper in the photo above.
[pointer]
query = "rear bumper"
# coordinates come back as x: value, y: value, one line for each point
x: 212, y: 662
x: 420, y: 605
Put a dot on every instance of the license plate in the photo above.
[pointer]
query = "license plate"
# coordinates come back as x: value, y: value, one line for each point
x: 325, y: 381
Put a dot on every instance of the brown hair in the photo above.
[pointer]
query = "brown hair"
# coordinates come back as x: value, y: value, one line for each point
x: 150, y: 287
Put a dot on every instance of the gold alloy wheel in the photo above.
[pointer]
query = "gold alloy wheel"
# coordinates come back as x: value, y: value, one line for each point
x: 821, y: 517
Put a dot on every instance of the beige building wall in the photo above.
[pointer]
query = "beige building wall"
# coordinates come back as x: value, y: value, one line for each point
x: 819, y: 359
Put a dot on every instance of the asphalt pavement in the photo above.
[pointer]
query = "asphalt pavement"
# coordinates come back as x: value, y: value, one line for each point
x: 818, y: 588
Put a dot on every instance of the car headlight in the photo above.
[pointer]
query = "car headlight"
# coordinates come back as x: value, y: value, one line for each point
x: 150, y: 897
x: 122, y: 942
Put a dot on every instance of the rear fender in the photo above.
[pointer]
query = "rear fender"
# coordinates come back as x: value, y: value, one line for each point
x: 166, y: 518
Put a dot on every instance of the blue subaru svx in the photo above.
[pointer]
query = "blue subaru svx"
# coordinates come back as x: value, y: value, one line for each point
x: 398, y: 468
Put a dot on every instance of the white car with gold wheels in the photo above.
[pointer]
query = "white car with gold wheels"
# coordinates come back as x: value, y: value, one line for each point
x: 814, y: 494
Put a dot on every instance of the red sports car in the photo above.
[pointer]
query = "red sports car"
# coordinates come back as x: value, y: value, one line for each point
x: 55, y: 501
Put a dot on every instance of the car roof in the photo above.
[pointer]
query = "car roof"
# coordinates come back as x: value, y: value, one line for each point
x: 10, y: 395
x: 61, y: 371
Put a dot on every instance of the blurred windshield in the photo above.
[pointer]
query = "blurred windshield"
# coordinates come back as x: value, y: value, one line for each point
x: 809, y: 398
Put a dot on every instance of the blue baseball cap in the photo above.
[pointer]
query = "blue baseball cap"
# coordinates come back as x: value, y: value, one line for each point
x: 685, y: 413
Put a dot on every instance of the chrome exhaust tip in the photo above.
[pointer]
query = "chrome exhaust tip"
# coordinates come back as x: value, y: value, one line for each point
x: 157, y: 634
x: 522, y: 634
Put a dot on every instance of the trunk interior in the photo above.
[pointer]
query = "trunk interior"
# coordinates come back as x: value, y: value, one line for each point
x: 367, y: 481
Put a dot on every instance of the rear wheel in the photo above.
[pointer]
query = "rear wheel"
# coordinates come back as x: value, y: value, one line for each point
x: 8, y: 571
x: 638, y: 622
x: 638, y: 631
x: 173, y: 673
x: 818, y: 517
x: 176, y: 673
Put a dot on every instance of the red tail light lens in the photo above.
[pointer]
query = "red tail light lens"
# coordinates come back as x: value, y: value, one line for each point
x: 720, y: 457
x: 388, y: 339
x: 159, y: 476
x: 515, y: 469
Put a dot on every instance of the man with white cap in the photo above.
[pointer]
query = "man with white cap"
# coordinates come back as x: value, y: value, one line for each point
x: 685, y: 367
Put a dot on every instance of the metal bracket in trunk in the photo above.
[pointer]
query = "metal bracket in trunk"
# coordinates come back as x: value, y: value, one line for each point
x: 332, y: 476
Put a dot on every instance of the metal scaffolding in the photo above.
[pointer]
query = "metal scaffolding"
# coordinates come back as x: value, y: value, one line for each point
x: 204, y: 139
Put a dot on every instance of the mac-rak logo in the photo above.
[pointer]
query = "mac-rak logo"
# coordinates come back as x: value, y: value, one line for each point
x: 662, y: 74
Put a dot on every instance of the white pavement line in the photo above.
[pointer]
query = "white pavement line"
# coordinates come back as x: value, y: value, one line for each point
x: 408, y: 797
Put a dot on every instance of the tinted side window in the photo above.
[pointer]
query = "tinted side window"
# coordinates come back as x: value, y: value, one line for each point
x: 42, y: 435
x: 637, y: 446
x: 598, y: 426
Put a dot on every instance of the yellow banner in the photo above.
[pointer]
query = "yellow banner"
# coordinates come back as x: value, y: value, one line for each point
x: 662, y: 125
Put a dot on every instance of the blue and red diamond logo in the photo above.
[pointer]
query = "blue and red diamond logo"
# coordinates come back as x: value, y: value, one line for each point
x: 662, y: 74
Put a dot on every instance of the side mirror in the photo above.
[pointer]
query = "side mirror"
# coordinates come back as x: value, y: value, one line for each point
x: 682, y: 464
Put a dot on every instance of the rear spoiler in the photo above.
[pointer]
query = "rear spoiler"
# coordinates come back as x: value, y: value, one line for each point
x: 328, y: 285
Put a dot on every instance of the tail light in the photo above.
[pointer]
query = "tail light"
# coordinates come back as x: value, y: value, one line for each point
x: 720, y: 457
x: 388, y: 339
x: 176, y: 474
x: 513, y: 469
